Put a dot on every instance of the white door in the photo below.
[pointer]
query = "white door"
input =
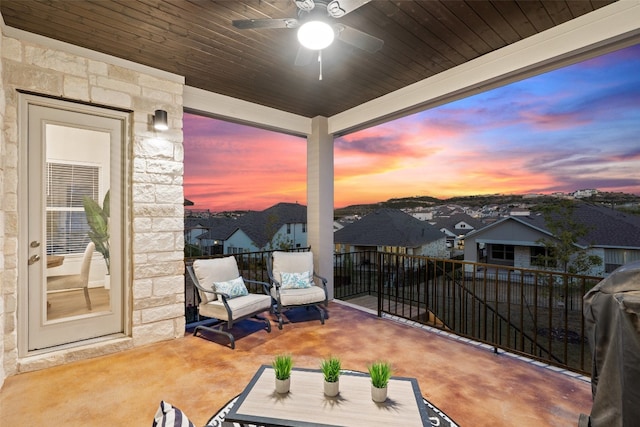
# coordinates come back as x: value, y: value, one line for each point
x: 72, y: 156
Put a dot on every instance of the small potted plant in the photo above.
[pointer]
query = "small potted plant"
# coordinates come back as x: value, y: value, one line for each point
x: 331, y: 370
x: 380, y: 373
x: 282, y: 365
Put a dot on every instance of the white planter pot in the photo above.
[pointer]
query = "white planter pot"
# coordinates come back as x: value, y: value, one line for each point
x: 378, y: 395
x: 331, y: 389
x: 282, y: 386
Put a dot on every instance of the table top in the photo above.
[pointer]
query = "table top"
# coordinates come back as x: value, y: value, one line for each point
x: 306, y: 405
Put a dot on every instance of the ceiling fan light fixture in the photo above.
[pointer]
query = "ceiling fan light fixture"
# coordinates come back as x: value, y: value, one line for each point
x: 316, y: 35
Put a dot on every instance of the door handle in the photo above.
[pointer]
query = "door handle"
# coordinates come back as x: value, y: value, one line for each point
x: 33, y: 259
x: 35, y: 244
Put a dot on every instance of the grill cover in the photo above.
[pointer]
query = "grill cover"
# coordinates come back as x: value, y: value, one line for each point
x: 611, y: 311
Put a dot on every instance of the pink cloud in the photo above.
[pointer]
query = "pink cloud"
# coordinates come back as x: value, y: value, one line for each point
x: 558, y: 121
x: 241, y: 167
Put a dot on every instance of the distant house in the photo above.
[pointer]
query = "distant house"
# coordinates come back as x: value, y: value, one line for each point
x: 193, y: 228
x: 520, y: 212
x: 456, y: 227
x: 391, y: 230
x: 281, y: 226
x: 423, y: 215
x: 219, y: 229
x: 514, y: 241
x: 585, y: 193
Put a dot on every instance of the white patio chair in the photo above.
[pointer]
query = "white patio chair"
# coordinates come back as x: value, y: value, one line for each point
x: 294, y: 283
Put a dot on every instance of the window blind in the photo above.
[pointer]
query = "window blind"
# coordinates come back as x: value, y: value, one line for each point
x: 67, y: 185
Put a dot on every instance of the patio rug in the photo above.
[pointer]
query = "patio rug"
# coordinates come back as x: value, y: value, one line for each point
x: 436, y: 416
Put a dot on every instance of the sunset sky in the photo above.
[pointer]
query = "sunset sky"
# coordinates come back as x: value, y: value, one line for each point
x: 570, y: 129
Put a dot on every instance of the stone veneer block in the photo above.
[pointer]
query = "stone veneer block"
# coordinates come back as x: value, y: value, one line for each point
x: 155, y: 314
x: 154, y: 332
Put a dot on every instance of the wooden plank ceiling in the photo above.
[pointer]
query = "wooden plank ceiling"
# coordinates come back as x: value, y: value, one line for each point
x: 195, y: 39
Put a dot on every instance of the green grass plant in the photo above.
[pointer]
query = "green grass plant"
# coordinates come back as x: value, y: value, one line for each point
x: 380, y: 373
x: 282, y: 365
x: 331, y: 369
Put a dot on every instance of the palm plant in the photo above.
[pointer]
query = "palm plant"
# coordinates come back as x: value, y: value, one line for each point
x: 98, y: 220
x: 331, y: 369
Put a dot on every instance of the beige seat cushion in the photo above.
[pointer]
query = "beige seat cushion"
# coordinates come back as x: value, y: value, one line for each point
x: 70, y: 281
x: 240, y: 306
x: 291, y: 262
x: 301, y: 296
x: 208, y: 271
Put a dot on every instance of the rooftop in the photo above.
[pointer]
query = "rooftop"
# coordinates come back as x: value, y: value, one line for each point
x: 389, y: 227
x: 470, y: 383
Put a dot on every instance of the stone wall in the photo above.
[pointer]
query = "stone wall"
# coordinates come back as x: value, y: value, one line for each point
x: 3, y: 156
x: 155, y: 293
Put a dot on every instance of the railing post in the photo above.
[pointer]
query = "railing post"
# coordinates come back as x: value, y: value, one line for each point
x: 379, y: 263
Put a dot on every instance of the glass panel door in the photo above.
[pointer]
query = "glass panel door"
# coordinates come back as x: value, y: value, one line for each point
x: 75, y: 281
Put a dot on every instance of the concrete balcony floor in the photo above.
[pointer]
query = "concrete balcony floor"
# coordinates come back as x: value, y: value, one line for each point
x: 469, y: 383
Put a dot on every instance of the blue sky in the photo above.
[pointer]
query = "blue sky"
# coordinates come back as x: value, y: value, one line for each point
x: 569, y: 129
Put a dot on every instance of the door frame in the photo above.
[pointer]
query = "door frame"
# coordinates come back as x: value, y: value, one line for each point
x: 123, y: 168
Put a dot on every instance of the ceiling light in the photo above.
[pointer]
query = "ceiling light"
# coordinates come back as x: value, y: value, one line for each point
x: 315, y: 35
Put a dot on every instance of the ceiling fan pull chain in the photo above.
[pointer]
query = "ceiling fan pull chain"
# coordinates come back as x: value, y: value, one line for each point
x: 320, y: 62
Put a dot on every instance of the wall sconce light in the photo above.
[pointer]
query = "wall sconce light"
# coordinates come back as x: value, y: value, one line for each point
x: 160, y: 120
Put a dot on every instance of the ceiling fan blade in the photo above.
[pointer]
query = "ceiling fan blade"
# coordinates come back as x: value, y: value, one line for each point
x: 358, y: 38
x: 249, y: 24
x: 305, y: 5
x: 338, y: 8
x: 304, y: 56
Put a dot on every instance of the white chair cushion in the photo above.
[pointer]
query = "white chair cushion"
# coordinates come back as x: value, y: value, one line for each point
x: 70, y: 281
x: 208, y: 271
x: 303, y: 296
x: 241, y: 306
x: 292, y: 262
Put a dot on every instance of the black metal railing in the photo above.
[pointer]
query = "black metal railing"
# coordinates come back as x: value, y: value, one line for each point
x: 536, y: 313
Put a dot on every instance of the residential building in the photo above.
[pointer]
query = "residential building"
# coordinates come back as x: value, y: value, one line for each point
x: 612, y: 235
x: 217, y: 231
x: 579, y: 194
x: 423, y: 215
x: 391, y: 230
x: 456, y: 227
x: 282, y: 226
x: 520, y: 212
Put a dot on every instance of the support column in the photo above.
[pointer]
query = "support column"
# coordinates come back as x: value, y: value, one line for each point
x: 320, y: 198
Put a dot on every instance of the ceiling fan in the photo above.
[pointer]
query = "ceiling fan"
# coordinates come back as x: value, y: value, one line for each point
x: 317, y: 27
